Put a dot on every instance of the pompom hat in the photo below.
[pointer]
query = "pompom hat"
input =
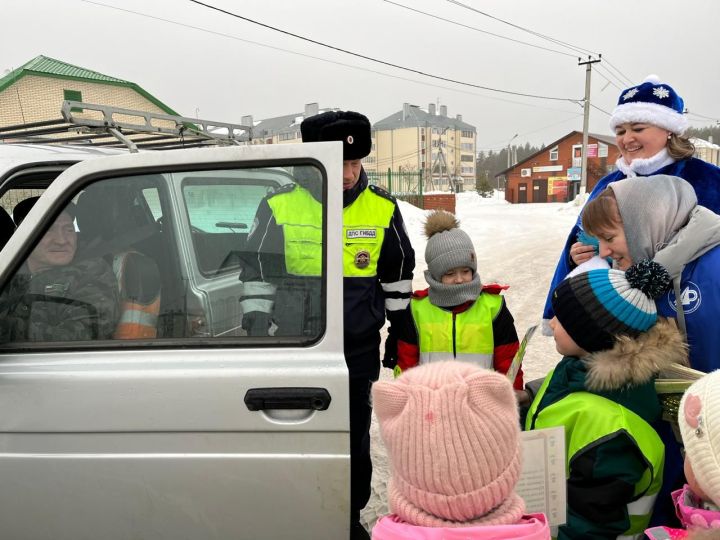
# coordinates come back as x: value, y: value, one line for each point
x: 651, y: 102
x: 448, y: 246
x: 595, y: 307
x: 699, y: 420
x: 452, y: 436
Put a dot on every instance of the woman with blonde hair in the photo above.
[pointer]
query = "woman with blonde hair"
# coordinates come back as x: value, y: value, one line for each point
x: 649, y: 124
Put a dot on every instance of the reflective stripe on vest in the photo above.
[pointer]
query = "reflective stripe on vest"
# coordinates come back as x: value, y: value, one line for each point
x: 300, y: 216
x: 608, y: 418
x: 472, y: 334
x: 137, y: 321
x: 364, y: 224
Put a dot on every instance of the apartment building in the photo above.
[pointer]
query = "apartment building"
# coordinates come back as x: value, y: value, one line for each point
x: 281, y: 129
x: 415, y: 140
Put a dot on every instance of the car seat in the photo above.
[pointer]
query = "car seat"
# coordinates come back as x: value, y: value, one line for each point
x: 107, y: 229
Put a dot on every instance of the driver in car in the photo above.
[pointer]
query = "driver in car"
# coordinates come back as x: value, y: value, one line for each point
x: 54, y: 297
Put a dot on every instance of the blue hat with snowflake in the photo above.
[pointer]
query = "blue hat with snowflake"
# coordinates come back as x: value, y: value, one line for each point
x: 651, y: 102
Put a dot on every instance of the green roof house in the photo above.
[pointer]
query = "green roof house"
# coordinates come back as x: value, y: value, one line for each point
x: 35, y: 91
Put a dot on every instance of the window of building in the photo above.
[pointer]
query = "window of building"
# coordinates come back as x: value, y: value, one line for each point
x: 467, y: 146
x: 468, y: 170
x: 467, y: 134
x: 466, y: 157
x: 73, y: 95
x: 554, y: 153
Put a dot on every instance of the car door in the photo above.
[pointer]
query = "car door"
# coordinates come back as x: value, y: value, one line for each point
x: 186, y: 435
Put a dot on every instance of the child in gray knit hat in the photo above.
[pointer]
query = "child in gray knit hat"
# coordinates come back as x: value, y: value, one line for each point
x: 457, y: 317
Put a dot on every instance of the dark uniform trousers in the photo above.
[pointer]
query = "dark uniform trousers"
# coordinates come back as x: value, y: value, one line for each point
x: 363, y: 361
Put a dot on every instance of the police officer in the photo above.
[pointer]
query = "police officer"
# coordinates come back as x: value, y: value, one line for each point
x: 53, y: 297
x: 378, y: 263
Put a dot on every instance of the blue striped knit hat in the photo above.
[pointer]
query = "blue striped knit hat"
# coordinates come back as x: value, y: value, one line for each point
x: 595, y: 307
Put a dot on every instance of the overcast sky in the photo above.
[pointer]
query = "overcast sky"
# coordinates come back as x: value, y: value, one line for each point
x: 200, y: 61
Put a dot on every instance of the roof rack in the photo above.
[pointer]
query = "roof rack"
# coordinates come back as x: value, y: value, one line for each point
x: 89, y: 124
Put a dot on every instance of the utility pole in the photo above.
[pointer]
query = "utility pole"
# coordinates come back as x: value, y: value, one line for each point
x: 586, y: 119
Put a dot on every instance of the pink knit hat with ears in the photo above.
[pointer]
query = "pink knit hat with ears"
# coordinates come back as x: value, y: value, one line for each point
x: 453, y: 438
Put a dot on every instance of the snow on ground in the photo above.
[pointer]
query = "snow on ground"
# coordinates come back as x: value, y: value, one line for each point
x: 517, y: 245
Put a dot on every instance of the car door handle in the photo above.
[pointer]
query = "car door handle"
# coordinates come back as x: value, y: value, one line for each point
x: 260, y: 399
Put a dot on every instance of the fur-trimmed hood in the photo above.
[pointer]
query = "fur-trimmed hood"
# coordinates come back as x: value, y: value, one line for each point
x: 635, y: 361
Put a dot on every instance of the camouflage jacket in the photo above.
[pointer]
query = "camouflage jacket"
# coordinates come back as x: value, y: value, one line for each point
x: 69, y: 303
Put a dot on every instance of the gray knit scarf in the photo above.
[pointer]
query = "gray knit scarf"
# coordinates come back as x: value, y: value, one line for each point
x: 444, y: 295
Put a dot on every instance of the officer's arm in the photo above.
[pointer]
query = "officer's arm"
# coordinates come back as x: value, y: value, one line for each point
x: 600, y: 486
x: 263, y: 264
x: 395, y: 271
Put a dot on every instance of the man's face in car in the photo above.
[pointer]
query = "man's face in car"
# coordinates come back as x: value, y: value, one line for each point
x: 57, y: 247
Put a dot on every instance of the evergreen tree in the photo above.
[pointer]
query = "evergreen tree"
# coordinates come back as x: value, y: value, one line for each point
x: 483, y: 186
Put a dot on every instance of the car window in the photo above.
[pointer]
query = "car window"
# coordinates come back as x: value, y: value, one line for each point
x: 12, y: 197
x: 221, y: 211
x: 176, y: 256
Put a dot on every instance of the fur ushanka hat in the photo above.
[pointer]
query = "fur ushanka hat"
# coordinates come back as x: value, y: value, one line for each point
x: 350, y: 127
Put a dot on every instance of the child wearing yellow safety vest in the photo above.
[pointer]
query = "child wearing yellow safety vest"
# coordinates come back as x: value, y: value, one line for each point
x: 457, y: 317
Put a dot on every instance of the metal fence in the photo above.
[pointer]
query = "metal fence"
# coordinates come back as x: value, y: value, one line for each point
x: 406, y: 186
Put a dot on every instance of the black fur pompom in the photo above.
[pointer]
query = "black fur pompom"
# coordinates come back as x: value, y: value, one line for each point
x: 650, y: 277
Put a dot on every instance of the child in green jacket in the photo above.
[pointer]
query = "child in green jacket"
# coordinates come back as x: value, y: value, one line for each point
x: 602, y: 392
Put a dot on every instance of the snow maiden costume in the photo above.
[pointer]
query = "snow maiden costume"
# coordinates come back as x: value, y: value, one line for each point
x: 655, y: 103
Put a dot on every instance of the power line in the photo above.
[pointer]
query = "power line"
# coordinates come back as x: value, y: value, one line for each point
x: 575, y: 48
x: 503, y: 144
x: 371, y: 59
x: 334, y: 62
x: 610, y: 73
x: 533, y: 32
x: 702, y: 116
x: 628, y: 80
x: 599, y: 109
x: 478, y: 29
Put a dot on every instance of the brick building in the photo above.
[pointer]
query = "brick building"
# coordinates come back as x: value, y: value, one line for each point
x: 35, y: 91
x: 553, y: 173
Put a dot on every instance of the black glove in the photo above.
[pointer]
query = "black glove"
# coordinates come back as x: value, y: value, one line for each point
x: 256, y: 323
x: 390, y: 359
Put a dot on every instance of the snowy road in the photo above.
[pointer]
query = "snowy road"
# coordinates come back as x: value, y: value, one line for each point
x: 517, y: 245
